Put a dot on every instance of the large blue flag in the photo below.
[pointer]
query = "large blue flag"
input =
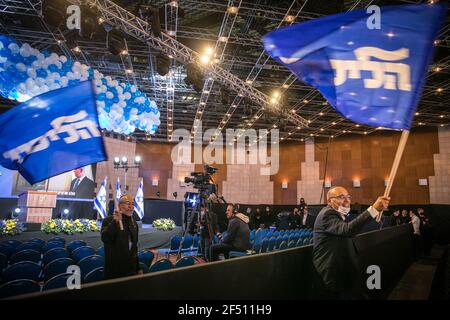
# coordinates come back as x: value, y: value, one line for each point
x: 371, y: 76
x: 52, y: 133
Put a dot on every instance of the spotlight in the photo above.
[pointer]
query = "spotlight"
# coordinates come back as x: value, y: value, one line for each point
x: 17, y: 210
x: 66, y: 211
x: 194, y: 77
x: 124, y: 160
x: 116, y: 160
x: 115, y: 42
x: 162, y: 64
x: 137, y: 159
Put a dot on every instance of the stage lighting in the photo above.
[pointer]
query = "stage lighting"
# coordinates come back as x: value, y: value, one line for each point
x: 66, y: 211
x: 194, y: 77
x: 116, y: 160
x: 124, y: 160
x: 115, y: 42
x: 17, y: 210
x: 225, y: 96
x: 162, y: 64
x: 137, y: 160
x: 54, y: 14
x: 89, y: 22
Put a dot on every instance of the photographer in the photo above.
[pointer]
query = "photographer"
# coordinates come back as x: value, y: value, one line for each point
x: 237, y: 236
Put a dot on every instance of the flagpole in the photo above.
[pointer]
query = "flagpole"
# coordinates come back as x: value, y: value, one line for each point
x: 398, y: 157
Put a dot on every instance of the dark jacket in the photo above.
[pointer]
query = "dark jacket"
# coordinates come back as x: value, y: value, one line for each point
x: 309, y: 223
x: 238, y: 232
x: 333, y: 253
x: 120, y: 259
x: 85, y: 189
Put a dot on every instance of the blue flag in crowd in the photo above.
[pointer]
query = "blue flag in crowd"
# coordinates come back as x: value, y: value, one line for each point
x: 52, y: 133
x: 100, y: 200
x: 371, y: 76
x: 118, y: 190
x: 139, y: 201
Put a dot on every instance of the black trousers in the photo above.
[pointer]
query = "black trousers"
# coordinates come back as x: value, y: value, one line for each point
x: 224, y: 248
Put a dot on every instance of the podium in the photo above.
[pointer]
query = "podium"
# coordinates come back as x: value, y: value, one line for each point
x: 39, y: 205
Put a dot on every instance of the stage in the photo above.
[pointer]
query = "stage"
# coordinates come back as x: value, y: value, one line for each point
x: 149, y: 237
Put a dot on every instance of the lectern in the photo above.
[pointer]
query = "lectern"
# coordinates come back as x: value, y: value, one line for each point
x: 39, y: 205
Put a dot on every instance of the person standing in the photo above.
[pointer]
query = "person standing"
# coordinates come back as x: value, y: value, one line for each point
x: 332, y: 259
x: 119, y: 234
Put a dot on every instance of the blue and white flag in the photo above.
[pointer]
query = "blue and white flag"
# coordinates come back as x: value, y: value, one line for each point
x: 371, y: 76
x: 118, y: 190
x: 52, y: 133
x: 139, y: 201
x: 100, y: 200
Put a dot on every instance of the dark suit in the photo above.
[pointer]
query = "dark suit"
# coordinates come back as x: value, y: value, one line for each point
x: 85, y: 189
x: 121, y: 258
x: 333, y: 253
x: 309, y: 222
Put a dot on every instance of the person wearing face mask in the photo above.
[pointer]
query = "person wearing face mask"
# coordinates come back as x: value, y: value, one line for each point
x: 332, y: 257
x: 120, y: 237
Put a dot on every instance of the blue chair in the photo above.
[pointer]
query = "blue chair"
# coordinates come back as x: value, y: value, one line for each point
x: 305, y: 241
x: 146, y: 257
x: 195, y: 244
x: 59, y: 281
x: 22, y: 270
x: 161, y: 265
x: 174, y: 245
x: 311, y: 241
x: 101, y: 251
x: 54, y: 254
x: 57, y: 239
x: 75, y: 244
x: 185, y: 262
x: 187, y: 243
x: 90, y: 263
x: 82, y: 252
x: 283, y: 245
x: 252, y: 235
x: 94, y: 276
x: 25, y: 255
x: 276, y: 234
x: 18, y: 287
x: 57, y: 267
x: 52, y: 245
x: 264, y: 245
x: 143, y: 267
x: 256, y: 247
x: 299, y: 242
x: 30, y: 245
x: 38, y: 241
x: 7, y: 250
x: 272, y: 244
x: 291, y: 244
x: 278, y: 242
x: 13, y: 243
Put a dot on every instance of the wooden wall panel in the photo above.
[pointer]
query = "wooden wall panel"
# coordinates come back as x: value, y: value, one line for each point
x: 292, y: 154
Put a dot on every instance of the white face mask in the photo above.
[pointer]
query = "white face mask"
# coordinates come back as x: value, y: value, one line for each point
x: 343, y: 210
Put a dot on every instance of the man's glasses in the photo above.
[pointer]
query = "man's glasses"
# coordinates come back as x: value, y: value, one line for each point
x: 343, y: 196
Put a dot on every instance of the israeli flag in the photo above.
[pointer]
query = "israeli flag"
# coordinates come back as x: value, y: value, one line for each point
x: 100, y: 200
x: 139, y: 201
x: 371, y: 74
x: 118, y: 190
x: 52, y: 133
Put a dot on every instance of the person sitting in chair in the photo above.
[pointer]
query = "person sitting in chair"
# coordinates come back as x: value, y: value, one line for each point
x: 237, y: 236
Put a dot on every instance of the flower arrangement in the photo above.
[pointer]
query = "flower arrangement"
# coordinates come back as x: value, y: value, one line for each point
x: 164, y: 224
x: 11, y: 227
x: 69, y: 226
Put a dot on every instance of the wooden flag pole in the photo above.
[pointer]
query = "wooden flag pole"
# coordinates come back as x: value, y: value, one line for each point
x: 398, y: 157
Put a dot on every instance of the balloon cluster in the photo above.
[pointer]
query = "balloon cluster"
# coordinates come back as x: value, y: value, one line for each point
x: 26, y: 72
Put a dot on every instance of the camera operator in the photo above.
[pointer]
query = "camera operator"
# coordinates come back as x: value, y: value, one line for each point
x: 208, y: 227
x: 237, y: 236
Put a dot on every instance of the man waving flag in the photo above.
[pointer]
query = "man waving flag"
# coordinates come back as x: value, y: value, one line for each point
x: 139, y: 201
x: 118, y: 192
x: 371, y: 74
x: 100, y: 200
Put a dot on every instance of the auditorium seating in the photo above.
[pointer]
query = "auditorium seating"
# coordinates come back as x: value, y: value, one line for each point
x: 75, y: 244
x: 90, y: 263
x: 53, y: 245
x: 146, y: 257
x: 22, y: 270
x: 185, y: 262
x: 94, y: 276
x: 54, y: 254
x: 20, y: 286
x: 25, y: 255
x: 59, y: 281
x: 161, y: 265
x: 56, y: 267
x: 82, y: 252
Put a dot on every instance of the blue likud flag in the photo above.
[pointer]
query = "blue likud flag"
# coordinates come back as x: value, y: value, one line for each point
x: 100, y: 200
x: 52, y: 133
x: 139, y: 201
x: 371, y: 76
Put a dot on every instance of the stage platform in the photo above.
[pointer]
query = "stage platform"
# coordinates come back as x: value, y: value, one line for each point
x: 149, y: 237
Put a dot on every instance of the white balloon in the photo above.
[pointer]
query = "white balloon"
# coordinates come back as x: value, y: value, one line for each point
x: 127, y: 95
x: 101, y: 104
x: 13, y: 47
x: 64, y: 81
x: 24, y: 52
x: 104, y: 88
x: 1, y: 45
x: 133, y: 89
x: 40, y: 57
x: 63, y: 59
x: 122, y: 104
x: 36, y: 64
x: 21, y: 67
x: 109, y: 95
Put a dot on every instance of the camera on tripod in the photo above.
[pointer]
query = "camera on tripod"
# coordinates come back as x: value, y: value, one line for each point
x: 203, y: 181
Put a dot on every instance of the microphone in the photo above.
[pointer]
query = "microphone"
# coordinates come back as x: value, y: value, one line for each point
x: 121, y: 225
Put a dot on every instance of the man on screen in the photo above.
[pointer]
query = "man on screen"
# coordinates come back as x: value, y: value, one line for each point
x: 82, y: 185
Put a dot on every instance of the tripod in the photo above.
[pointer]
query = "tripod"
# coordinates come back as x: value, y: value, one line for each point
x: 196, y: 210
